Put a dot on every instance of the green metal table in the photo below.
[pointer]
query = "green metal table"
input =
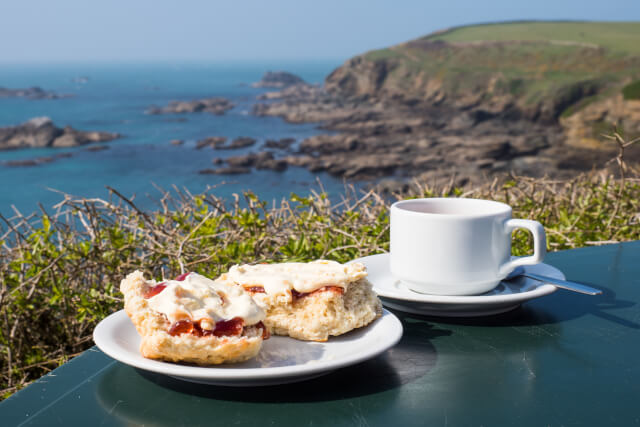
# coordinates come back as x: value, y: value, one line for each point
x: 561, y: 360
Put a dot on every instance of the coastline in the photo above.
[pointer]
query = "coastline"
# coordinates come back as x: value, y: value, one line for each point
x: 114, y: 100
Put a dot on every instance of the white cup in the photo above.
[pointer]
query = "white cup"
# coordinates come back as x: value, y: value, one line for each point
x: 456, y: 246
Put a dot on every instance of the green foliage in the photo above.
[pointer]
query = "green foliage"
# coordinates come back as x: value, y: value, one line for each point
x: 601, y: 127
x: 619, y: 37
x: 60, y: 272
x: 632, y: 90
x: 556, y: 67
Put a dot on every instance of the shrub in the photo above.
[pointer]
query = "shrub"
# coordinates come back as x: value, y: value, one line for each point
x: 632, y: 90
x: 60, y: 269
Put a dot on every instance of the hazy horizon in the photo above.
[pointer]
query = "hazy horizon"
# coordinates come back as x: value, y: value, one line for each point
x: 74, y: 31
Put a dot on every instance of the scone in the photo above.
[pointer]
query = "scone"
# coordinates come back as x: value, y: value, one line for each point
x: 309, y: 301
x: 193, y: 319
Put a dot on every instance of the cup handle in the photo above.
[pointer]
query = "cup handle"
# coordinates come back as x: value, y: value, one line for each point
x: 539, y: 244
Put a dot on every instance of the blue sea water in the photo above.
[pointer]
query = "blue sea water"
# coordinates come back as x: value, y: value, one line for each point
x: 114, y: 99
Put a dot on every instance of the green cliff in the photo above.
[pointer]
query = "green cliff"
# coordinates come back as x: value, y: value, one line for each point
x: 584, y: 75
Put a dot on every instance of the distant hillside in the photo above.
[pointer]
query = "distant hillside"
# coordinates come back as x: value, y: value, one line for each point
x: 585, y: 75
x: 474, y: 103
x: 619, y: 37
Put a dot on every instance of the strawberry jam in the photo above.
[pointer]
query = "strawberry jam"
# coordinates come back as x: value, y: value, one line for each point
x: 181, y: 277
x: 231, y: 327
x: 297, y: 295
x: 223, y: 328
x: 155, y: 290
x: 265, y: 332
x: 181, y: 327
x: 199, y: 332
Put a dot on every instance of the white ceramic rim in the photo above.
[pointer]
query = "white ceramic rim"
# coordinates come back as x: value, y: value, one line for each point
x: 538, y: 291
x: 500, y: 208
x: 388, y: 327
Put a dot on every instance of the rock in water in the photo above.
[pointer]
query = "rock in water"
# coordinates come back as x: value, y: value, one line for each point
x: 34, y: 92
x: 25, y: 162
x: 217, y: 106
x: 251, y: 159
x: 280, y: 144
x: 261, y: 160
x: 232, y: 170
x: 240, y: 142
x: 41, y: 132
x: 212, y: 141
x: 96, y: 148
x: 36, y: 161
x: 278, y: 79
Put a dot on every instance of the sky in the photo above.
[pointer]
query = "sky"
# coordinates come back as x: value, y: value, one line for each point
x: 247, y: 30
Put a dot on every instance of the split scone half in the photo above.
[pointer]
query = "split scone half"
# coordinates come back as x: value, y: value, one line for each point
x: 309, y: 301
x: 193, y: 319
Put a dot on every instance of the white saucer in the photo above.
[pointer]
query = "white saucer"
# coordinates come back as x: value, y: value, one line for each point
x: 506, y: 296
x: 281, y: 360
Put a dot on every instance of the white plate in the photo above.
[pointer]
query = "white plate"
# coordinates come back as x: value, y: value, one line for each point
x: 506, y: 296
x: 281, y: 360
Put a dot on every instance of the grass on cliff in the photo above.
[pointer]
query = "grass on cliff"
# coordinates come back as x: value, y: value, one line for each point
x: 632, y: 90
x: 533, y: 62
x: 60, y: 268
x: 619, y: 37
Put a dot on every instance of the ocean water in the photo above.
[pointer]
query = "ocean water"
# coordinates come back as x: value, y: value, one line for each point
x: 114, y: 99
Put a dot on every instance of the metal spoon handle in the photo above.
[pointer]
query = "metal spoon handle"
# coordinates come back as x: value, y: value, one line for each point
x: 564, y: 284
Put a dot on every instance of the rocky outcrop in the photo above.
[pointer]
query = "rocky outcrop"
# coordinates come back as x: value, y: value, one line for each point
x: 261, y: 160
x: 37, y: 161
x: 280, y: 144
x: 41, y: 132
x: 379, y: 138
x: 217, y: 106
x: 248, y: 160
x: 584, y: 128
x: 492, y: 78
x: 240, y: 142
x: 33, y: 92
x: 96, y: 148
x: 220, y: 143
x: 212, y: 141
x: 425, y: 154
x: 231, y: 170
x: 244, y: 163
x: 301, y: 90
x: 430, y: 108
x: 278, y: 79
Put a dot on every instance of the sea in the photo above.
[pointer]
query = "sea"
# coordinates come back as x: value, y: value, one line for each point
x: 114, y: 97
